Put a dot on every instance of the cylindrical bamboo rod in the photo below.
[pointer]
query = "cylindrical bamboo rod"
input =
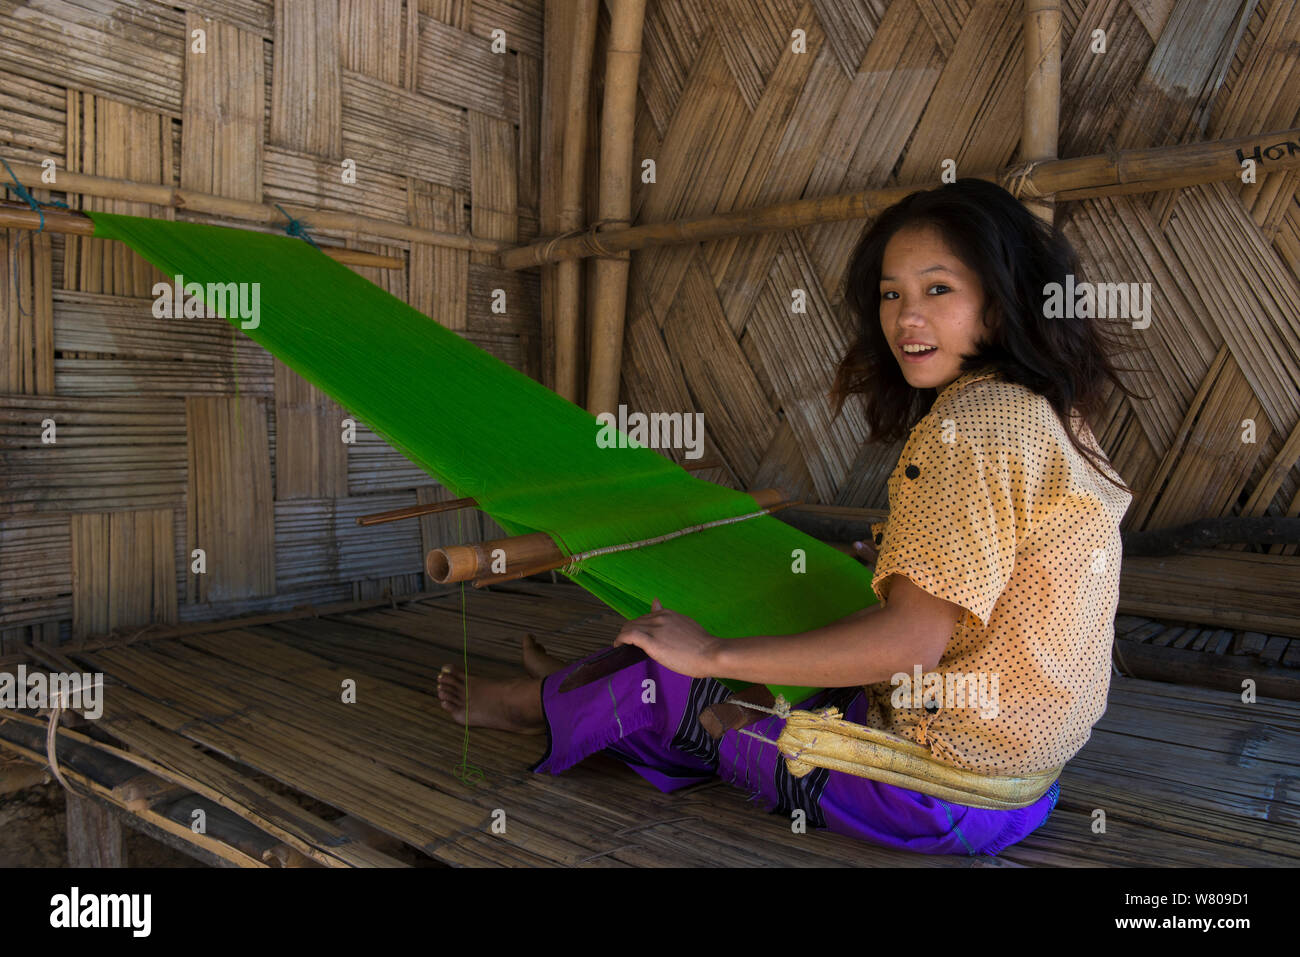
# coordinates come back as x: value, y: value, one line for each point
x: 1038, y: 138
x: 568, y: 274
x: 76, y: 224
x: 415, y: 511
x: 609, y: 304
x: 1105, y: 174
x: 247, y: 210
x: 523, y: 571
x: 524, y: 554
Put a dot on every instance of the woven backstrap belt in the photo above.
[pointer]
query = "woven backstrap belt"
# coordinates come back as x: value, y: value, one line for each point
x: 823, y: 739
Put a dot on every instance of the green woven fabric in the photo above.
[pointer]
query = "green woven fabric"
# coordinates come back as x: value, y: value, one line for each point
x: 528, y: 456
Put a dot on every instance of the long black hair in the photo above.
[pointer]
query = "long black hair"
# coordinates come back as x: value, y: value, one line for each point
x: 1015, y: 255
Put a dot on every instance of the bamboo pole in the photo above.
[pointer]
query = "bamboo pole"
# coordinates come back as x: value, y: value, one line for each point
x: 1104, y: 174
x: 433, y: 508
x: 247, y: 210
x: 568, y: 274
x: 78, y: 224
x: 524, y: 555
x: 618, y: 127
x: 1038, y: 139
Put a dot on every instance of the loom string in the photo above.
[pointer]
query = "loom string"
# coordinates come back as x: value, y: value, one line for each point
x: 465, y: 772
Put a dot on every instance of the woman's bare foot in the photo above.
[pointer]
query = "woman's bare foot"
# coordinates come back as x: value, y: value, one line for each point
x: 536, y: 661
x: 514, y: 704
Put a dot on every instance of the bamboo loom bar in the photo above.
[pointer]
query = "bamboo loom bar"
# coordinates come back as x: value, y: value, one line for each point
x: 415, y: 511
x: 524, y: 554
x: 618, y: 128
x: 568, y: 273
x: 1040, y: 133
x: 247, y: 210
x: 77, y: 224
x: 433, y: 508
x: 1103, y: 174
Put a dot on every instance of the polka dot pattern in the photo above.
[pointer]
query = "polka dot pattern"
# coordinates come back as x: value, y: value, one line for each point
x: 992, y: 508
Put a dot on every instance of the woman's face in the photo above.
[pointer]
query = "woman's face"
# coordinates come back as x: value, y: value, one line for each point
x: 929, y: 297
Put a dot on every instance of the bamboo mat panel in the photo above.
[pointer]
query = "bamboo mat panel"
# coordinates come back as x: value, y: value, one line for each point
x: 849, y: 29
x: 311, y: 456
x: 123, y: 570
x: 460, y: 70
x: 254, y: 16
x: 799, y: 352
x: 1123, y: 243
x: 493, y: 174
x: 119, y: 453
x: 268, y: 698
x: 1183, y: 74
x: 519, y: 295
x: 694, y: 160
x: 370, y: 38
x: 221, y: 125
x: 516, y: 351
x: 375, y: 466
x: 670, y: 45
x: 305, y: 94
x: 974, y: 115
x: 301, y: 179
x: 652, y: 375
x: 35, y: 569
x: 33, y: 118
x: 318, y: 541
x: 378, y: 115
x: 26, y: 313
x: 439, y: 275
x: 118, y: 141
x: 1204, y: 470
x: 107, y: 49
x: 1097, y: 88
x: 1220, y: 587
x: 230, y: 512
x: 121, y: 348
x: 528, y: 71
x: 779, y: 152
x: 520, y: 19
x: 737, y: 416
x: 757, y: 37
x: 783, y: 466
x: 1251, y: 296
x: 872, y: 124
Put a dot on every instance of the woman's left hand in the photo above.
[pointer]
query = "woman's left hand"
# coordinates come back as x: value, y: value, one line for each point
x: 673, y: 640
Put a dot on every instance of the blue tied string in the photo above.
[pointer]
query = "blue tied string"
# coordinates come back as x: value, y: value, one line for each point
x: 297, y: 228
x: 28, y: 198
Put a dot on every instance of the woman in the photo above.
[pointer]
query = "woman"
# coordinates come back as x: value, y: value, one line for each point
x: 999, y: 561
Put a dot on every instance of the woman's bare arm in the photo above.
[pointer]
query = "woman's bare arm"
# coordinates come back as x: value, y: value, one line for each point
x: 870, y: 645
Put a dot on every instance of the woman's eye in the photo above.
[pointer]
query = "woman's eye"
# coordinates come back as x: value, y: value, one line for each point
x: 937, y: 285
x: 886, y: 295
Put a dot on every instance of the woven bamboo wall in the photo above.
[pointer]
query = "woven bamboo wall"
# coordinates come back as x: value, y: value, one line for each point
x: 154, y: 415
x: 176, y: 434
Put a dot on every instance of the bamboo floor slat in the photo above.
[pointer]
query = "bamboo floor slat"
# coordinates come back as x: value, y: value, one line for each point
x: 1186, y: 776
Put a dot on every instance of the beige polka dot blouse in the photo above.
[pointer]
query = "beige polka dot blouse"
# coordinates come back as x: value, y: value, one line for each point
x: 991, y: 507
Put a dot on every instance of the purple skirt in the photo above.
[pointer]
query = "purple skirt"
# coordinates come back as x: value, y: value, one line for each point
x: 647, y: 716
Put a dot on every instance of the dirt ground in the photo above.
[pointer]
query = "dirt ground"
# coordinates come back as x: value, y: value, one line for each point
x: 33, y: 834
